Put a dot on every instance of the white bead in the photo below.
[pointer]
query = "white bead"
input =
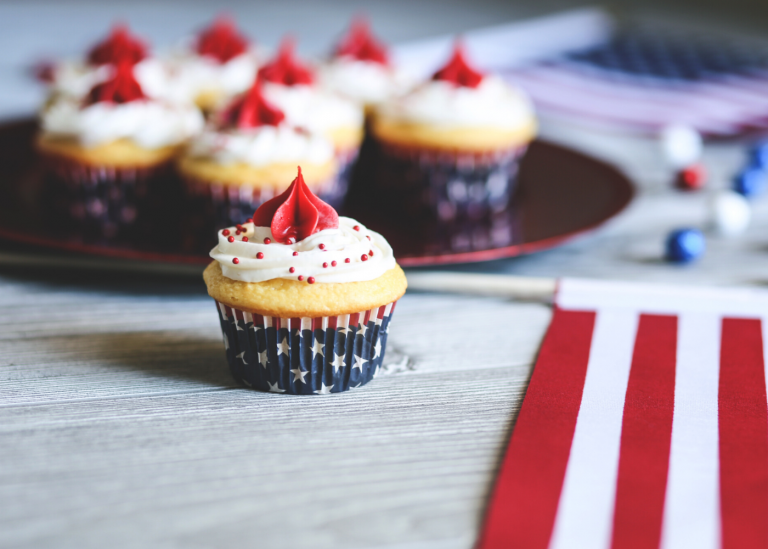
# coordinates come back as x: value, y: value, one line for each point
x: 681, y: 145
x: 730, y: 213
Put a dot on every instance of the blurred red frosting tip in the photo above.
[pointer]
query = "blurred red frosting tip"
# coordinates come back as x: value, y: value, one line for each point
x: 360, y: 44
x: 121, y: 88
x: 457, y: 71
x: 251, y: 110
x: 296, y: 214
x: 221, y: 41
x: 285, y: 69
x: 119, y: 46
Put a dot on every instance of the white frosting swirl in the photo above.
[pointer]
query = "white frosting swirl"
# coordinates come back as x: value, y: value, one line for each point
x: 493, y: 103
x: 262, y: 146
x: 147, y: 123
x: 314, y: 109
x: 339, y: 245
x: 363, y: 81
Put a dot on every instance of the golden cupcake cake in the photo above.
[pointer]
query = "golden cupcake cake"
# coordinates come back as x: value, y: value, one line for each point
x: 451, y: 147
x: 304, y: 297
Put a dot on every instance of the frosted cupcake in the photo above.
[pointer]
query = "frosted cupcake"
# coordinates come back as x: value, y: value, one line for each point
x: 111, y: 153
x: 245, y: 156
x: 451, y: 147
x: 304, y: 296
x: 291, y: 85
x: 361, y: 69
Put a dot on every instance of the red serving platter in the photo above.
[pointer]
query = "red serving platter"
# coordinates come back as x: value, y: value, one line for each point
x: 561, y: 194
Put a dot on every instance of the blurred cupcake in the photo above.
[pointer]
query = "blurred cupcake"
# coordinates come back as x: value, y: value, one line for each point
x: 110, y: 155
x: 452, y: 146
x: 218, y: 64
x: 304, y: 296
x: 244, y: 157
x: 291, y: 85
x: 361, y: 70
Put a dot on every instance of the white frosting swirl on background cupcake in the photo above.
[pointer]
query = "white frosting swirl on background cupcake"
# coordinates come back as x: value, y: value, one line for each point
x: 314, y: 109
x: 262, y: 146
x: 149, y: 124
x: 493, y: 103
x: 339, y: 245
x: 362, y: 81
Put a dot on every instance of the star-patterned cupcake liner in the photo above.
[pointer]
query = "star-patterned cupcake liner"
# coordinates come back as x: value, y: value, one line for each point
x: 305, y: 356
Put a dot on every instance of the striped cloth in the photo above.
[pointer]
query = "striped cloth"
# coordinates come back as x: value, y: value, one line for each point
x: 645, y: 424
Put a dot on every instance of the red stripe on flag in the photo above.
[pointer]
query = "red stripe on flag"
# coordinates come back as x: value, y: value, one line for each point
x: 524, y: 503
x: 646, y: 435
x: 743, y: 424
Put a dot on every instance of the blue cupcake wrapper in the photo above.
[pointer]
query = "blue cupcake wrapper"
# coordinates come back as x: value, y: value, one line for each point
x: 305, y: 356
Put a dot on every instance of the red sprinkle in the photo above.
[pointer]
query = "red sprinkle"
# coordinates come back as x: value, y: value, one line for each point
x: 249, y: 220
x: 321, y: 246
x: 301, y: 278
x: 295, y: 253
x: 239, y: 227
x: 259, y: 255
x: 325, y: 265
x: 230, y: 239
x: 364, y: 257
x: 347, y: 260
x: 238, y: 232
x: 370, y: 252
x: 311, y: 280
x: 291, y: 270
x: 245, y: 239
x: 333, y: 263
x: 235, y: 260
x: 368, y: 237
x: 225, y: 232
x: 356, y: 227
x: 267, y: 240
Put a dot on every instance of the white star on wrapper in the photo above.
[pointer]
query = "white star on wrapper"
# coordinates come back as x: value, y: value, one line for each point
x: 317, y: 348
x: 226, y: 342
x: 283, y: 347
x: 358, y: 362
x: 377, y: 349
x: 248, y: 383
x: 274, y: 388
x: 324, y: 390
x: 237, y: 324
x: 241, y: 356
x: 298, y: 374
x: 338, y: 362
x: 344, y: 330
x: 362, y: 329
x: 263, y: 358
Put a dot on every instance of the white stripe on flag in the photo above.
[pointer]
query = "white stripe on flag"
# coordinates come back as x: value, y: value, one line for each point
x: 585, y: 514
x: 692, y: 509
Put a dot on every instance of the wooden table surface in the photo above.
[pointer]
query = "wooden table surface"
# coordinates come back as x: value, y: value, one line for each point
x: 120, y: 425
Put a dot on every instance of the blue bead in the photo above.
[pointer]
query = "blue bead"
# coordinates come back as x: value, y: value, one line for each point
x: 758, y: 156
x: 684, y: 245
x: 750, y: 182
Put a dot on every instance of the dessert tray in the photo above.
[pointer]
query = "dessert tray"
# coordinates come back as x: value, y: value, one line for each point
x: 561, y: 194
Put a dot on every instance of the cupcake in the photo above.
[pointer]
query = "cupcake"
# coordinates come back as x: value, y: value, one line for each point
x: 304, y: 296
x: 110, y: 154
x: 245, y: 156
x: 360, y: 69
x: 218, y: 64
x: 451, y: 147
x: 291, y: 85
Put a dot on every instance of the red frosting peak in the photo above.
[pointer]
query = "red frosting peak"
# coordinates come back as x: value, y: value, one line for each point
x: 457, y: 71
x: 251, y: 110
x: 360, y: 44
x: 122, y: 87
x: 119, y: 46
x: 296, y: 214
x: 221, y: 41
x: 285, y: 69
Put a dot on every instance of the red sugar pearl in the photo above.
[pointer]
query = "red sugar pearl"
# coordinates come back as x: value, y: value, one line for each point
x: 301, y: 278
x: 259, y: 255
x: 325, y: 265
x: 249, y: 220
x: 225, y: 232
x: 311, y: 280
x: 235, y: 260
x: 295, y: 254
x: 347, y: 260
x: 368, y: 237
x: 370, y: 253
x: 267, y: 240
x: 245, y: 239
x: 238, y: 233
x: 364, y: 257
x: 230, y: 239
x: 356, y: 227
x: 321, y: 246
x: 333, y: 263
x: 239, y: 227
x: 292, y: 270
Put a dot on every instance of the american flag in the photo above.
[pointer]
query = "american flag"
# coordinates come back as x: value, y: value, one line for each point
x: 645, y: 424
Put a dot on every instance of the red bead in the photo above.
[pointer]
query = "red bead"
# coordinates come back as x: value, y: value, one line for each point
x: 225, y: 232
x: 364, y: 257
x: 691, y: 178
x: 347, y: 260
x: 301, y: 278
x: 230, y: 239
x: 292, y: 270
x: 356, y: 227
x: 267, y: 240
x: 311, y: 280
x: 325, y: 265
x: 238, y: 233
x: 259, y: 255
x: 370, y: 252
x: 239, y: 227
x: 235, y: 260
x: 333, y: 263
x: 249, y: 220
x: 321, y: 246
x: 245, y: 239
x: 295, y: 254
